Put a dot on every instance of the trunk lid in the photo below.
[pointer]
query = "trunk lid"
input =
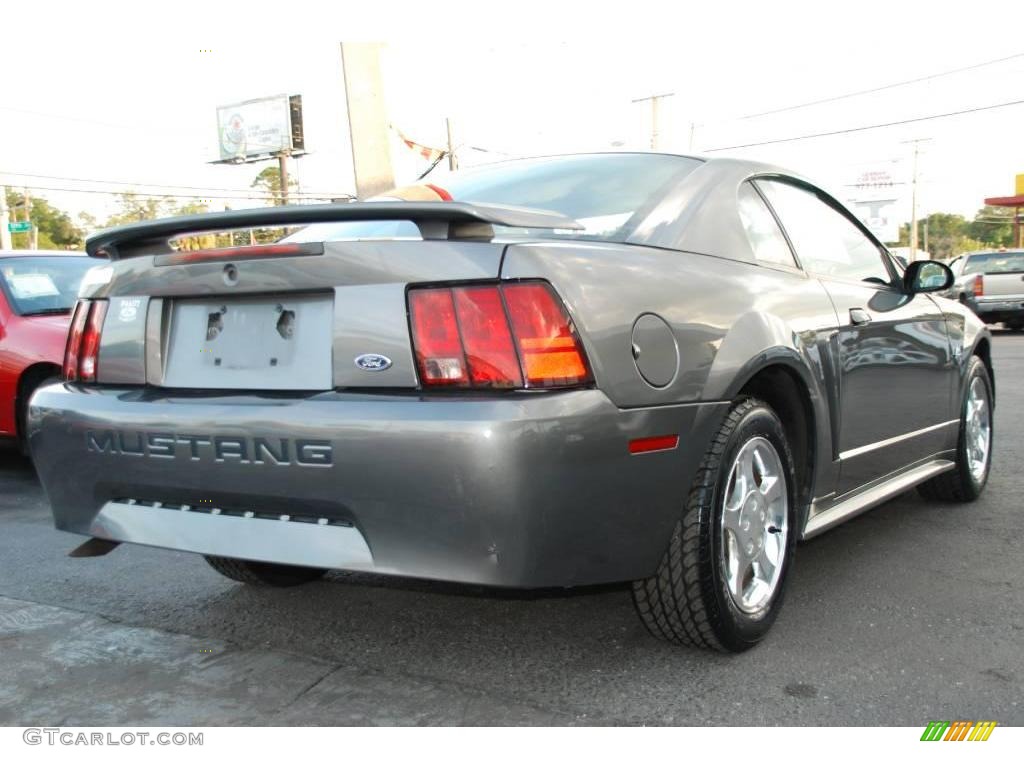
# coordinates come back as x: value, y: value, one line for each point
x: 308, y: 322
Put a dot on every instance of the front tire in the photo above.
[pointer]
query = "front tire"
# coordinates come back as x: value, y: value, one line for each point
x: 721, y: 581
x: 263, y: 574
x: 968, y: 478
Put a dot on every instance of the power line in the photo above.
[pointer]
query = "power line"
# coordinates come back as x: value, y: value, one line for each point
x: 880, y: 88
x: 306, y: 196
x: 867, y: 127
x: 134, y: 184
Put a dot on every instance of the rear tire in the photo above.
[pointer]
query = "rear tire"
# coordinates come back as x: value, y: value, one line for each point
x: 264, y: 574
x: 699, y: 596
x: 1015, y: 325
x: 966, y: 481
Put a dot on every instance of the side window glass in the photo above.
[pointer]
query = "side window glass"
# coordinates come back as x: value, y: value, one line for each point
x: 766, y: 239
x: 827, y: 242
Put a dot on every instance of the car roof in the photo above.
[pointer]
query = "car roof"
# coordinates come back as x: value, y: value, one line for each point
x: 994, y: 252
x: 11, y: 254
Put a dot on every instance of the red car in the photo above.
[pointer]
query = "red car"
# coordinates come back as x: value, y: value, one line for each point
x: 37, y: 292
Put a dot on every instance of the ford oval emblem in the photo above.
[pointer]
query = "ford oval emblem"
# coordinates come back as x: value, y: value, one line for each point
x: 373, y: 362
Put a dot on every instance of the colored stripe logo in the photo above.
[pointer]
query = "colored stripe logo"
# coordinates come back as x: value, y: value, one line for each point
x: 958, y: 730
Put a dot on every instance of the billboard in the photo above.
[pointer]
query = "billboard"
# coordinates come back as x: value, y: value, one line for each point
x: 872, y: 197
x: 260, y: 128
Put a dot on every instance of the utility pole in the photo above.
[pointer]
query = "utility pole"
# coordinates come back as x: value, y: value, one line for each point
x: 5, y: 235
x: 655, y: 100
x: 33, y: 233
x: 913, y: 200
x: 282, y: 160
x: 453, y: 161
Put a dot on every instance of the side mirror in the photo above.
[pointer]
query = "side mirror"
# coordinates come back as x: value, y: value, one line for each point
x: 926, y: 277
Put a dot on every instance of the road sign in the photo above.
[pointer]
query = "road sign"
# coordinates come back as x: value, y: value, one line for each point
x: 19, y: 226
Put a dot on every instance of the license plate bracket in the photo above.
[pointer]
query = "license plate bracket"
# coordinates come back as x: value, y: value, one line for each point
x: 267, y: 342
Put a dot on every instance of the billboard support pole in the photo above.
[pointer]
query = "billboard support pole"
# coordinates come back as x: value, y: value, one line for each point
x: 282, y: 159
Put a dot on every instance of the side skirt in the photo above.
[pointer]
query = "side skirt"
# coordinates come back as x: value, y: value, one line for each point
x: 820, y: 520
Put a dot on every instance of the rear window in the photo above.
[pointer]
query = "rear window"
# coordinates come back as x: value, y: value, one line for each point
x: 994, y: 263
x: 607, y: 194
x: 42, y: 285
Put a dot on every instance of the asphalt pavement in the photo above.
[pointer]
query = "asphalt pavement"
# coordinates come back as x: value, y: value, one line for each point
x: 909, y: 613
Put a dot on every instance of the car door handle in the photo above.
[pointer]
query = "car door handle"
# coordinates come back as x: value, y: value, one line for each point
x: 859, y: 317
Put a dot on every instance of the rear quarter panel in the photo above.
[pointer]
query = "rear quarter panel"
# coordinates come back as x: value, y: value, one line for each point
x: 968, y: 336
x: 725, y: 315
x: 729, y: 319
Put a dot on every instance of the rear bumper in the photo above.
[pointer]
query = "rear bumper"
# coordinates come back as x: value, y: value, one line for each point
x: 523, y: 491
x: 996, y: 310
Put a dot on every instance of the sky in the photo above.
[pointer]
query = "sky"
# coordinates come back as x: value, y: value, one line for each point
x: 108, y: 97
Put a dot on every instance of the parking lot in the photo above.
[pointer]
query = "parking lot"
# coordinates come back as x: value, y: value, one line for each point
x: 910, y: 613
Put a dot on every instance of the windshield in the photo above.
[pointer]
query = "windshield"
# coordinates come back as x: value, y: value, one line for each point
x: 42, y: 285
x: 994, y: 263
x: 602, y: 192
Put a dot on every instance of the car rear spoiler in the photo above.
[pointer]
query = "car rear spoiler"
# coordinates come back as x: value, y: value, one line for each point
x: 435, y: 220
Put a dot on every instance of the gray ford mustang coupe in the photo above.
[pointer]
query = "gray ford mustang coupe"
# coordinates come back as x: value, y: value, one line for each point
x: 623, y: 367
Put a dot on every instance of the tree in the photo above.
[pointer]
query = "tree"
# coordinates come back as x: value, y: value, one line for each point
x: 948, y: 235
x: 87, y: 222
x: 269, y: 181
x: 134, y: 207
x: 193, y: 242
x: 992, y: 226
x: 56, y: 229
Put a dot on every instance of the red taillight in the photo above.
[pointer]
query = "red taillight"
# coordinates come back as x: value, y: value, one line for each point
x: 74, y: 342
x: 495, y: 336
x: 435, y: 335
x: 551, y: 355
x: 81, y: 356
x: 88, y: 357
x: 486, y: 338
x: 979, y: 285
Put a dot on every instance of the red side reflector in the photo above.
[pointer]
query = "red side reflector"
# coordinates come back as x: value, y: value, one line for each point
x: 648, y: 444
x: 240, y: 253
